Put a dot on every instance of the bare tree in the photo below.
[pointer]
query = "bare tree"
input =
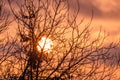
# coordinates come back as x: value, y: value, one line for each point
x: 74, y: 55
x: 4, y: 22
x: 4, y: 48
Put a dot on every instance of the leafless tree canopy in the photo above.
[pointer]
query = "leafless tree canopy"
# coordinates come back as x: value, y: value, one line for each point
x: 74, y: 54
x: 3, y: 17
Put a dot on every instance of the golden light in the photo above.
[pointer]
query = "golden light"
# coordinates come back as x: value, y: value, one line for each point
x: 45, y: 44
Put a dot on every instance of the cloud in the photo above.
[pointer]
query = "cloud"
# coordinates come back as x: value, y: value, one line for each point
x: 106, y: 14
x: 102, y: 9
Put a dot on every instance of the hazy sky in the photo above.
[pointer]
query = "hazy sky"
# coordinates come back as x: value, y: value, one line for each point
x: 106, y: 13
x: 107, y: 9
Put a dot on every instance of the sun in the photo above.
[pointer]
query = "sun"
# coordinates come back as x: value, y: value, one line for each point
x: 45, y: 45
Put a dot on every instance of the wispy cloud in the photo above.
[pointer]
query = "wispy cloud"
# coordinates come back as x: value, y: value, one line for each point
x: 101, y: 8
x: 106, y: 14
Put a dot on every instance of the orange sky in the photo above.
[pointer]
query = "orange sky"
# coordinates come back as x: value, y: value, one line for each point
x: 106, y: 14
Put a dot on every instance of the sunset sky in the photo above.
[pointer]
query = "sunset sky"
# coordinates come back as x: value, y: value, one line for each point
x: 71, y: 43
x: 106, y: 14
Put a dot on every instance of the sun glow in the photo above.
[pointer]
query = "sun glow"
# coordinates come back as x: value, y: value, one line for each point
x: 45, y: 44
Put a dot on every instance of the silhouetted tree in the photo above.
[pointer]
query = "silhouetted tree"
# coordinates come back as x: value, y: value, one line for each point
x: 4, y: 41
x: 3, y: 17
x: 74, y: 55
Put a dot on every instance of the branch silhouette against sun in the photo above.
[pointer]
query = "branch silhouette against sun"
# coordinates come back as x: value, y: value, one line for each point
x: 51, y: 44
